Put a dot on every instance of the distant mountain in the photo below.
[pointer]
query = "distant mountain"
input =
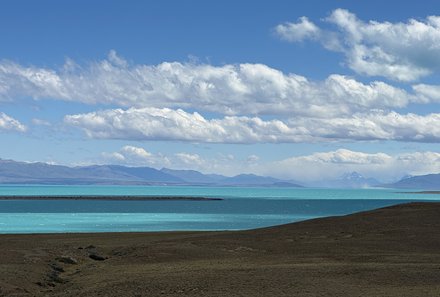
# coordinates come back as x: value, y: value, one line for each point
x: 406, y: 176
x: 351, y: 180
x: 146, y: 174
x: 41, y: 173
x: 195, y: 177
x: 286, y: 184
x: 249, y: 179
x: 13, y: 172
x: 356, y: 180
x: 192, y: 176
x: 424, y: 182
x: 21, y: 172
x: 256, y: 180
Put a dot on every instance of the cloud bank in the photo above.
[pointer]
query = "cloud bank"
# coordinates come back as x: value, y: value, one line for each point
x: 307, y: 168
x: 247, y: 103
x: 239, y: 89
x: 169, y: 124
x: 330, y: 165
x: 403, y: 51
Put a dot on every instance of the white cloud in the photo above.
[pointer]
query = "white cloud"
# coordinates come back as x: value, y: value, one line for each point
x: 376, y: 126
x: 240, y: 89
x: 193, y: 160
x: 343, y: 156
x: 135, y: 156
x: 40, y: 122
x: 136, y: 152
x: 252, y: 159
x: 169, y: 124
x: 331, y: 165
x: 8, y: 123
x: 303, y: 29
x: 404, y: 51
x: 428, y: 93
x: 138, y: 157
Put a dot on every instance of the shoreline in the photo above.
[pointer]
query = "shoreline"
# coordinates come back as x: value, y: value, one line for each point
x: 108, y: 198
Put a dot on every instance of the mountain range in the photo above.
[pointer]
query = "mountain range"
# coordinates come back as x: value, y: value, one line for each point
x: 426, y: 182
x: 13, y: 172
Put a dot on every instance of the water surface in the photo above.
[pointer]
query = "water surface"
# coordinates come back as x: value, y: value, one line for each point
x: 241, y: 208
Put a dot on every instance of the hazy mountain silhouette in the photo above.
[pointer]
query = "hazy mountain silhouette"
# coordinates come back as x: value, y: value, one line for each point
x: 13, y: 172
x: 426, y: 182
x: 351, y: 180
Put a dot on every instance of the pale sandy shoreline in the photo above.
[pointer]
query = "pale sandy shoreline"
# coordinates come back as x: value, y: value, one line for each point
x: 392, y: 251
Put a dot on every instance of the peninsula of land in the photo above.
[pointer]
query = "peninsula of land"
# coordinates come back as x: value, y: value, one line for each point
x: 107, y: 197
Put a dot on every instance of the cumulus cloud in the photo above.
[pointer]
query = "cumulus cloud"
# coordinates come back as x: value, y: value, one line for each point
x: 376, y: 126
x: 169, y: 124
x: 138, y: 157
x: 8, y: 123
x: 190, y: 159
x: 135, y: 156
x: 303, y: 29
x: 330, y: 165
x: 404, y: 51
x: 428, y: 93
x: 239, y: 89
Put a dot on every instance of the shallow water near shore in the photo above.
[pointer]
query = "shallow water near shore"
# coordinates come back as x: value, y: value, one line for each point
x: 241, y: 208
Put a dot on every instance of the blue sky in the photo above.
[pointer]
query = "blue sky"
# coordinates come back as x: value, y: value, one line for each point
x: 303, y: 90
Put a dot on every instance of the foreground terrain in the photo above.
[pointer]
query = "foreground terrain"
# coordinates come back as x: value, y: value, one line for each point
x: 393, y: 251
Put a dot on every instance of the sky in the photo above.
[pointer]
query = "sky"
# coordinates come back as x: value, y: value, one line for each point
x: 301, y: 90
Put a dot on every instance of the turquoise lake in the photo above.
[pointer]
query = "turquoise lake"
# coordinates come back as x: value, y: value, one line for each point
x: 241, y: 208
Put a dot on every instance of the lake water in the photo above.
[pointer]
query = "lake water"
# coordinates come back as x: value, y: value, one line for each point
x: 242, y: 208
